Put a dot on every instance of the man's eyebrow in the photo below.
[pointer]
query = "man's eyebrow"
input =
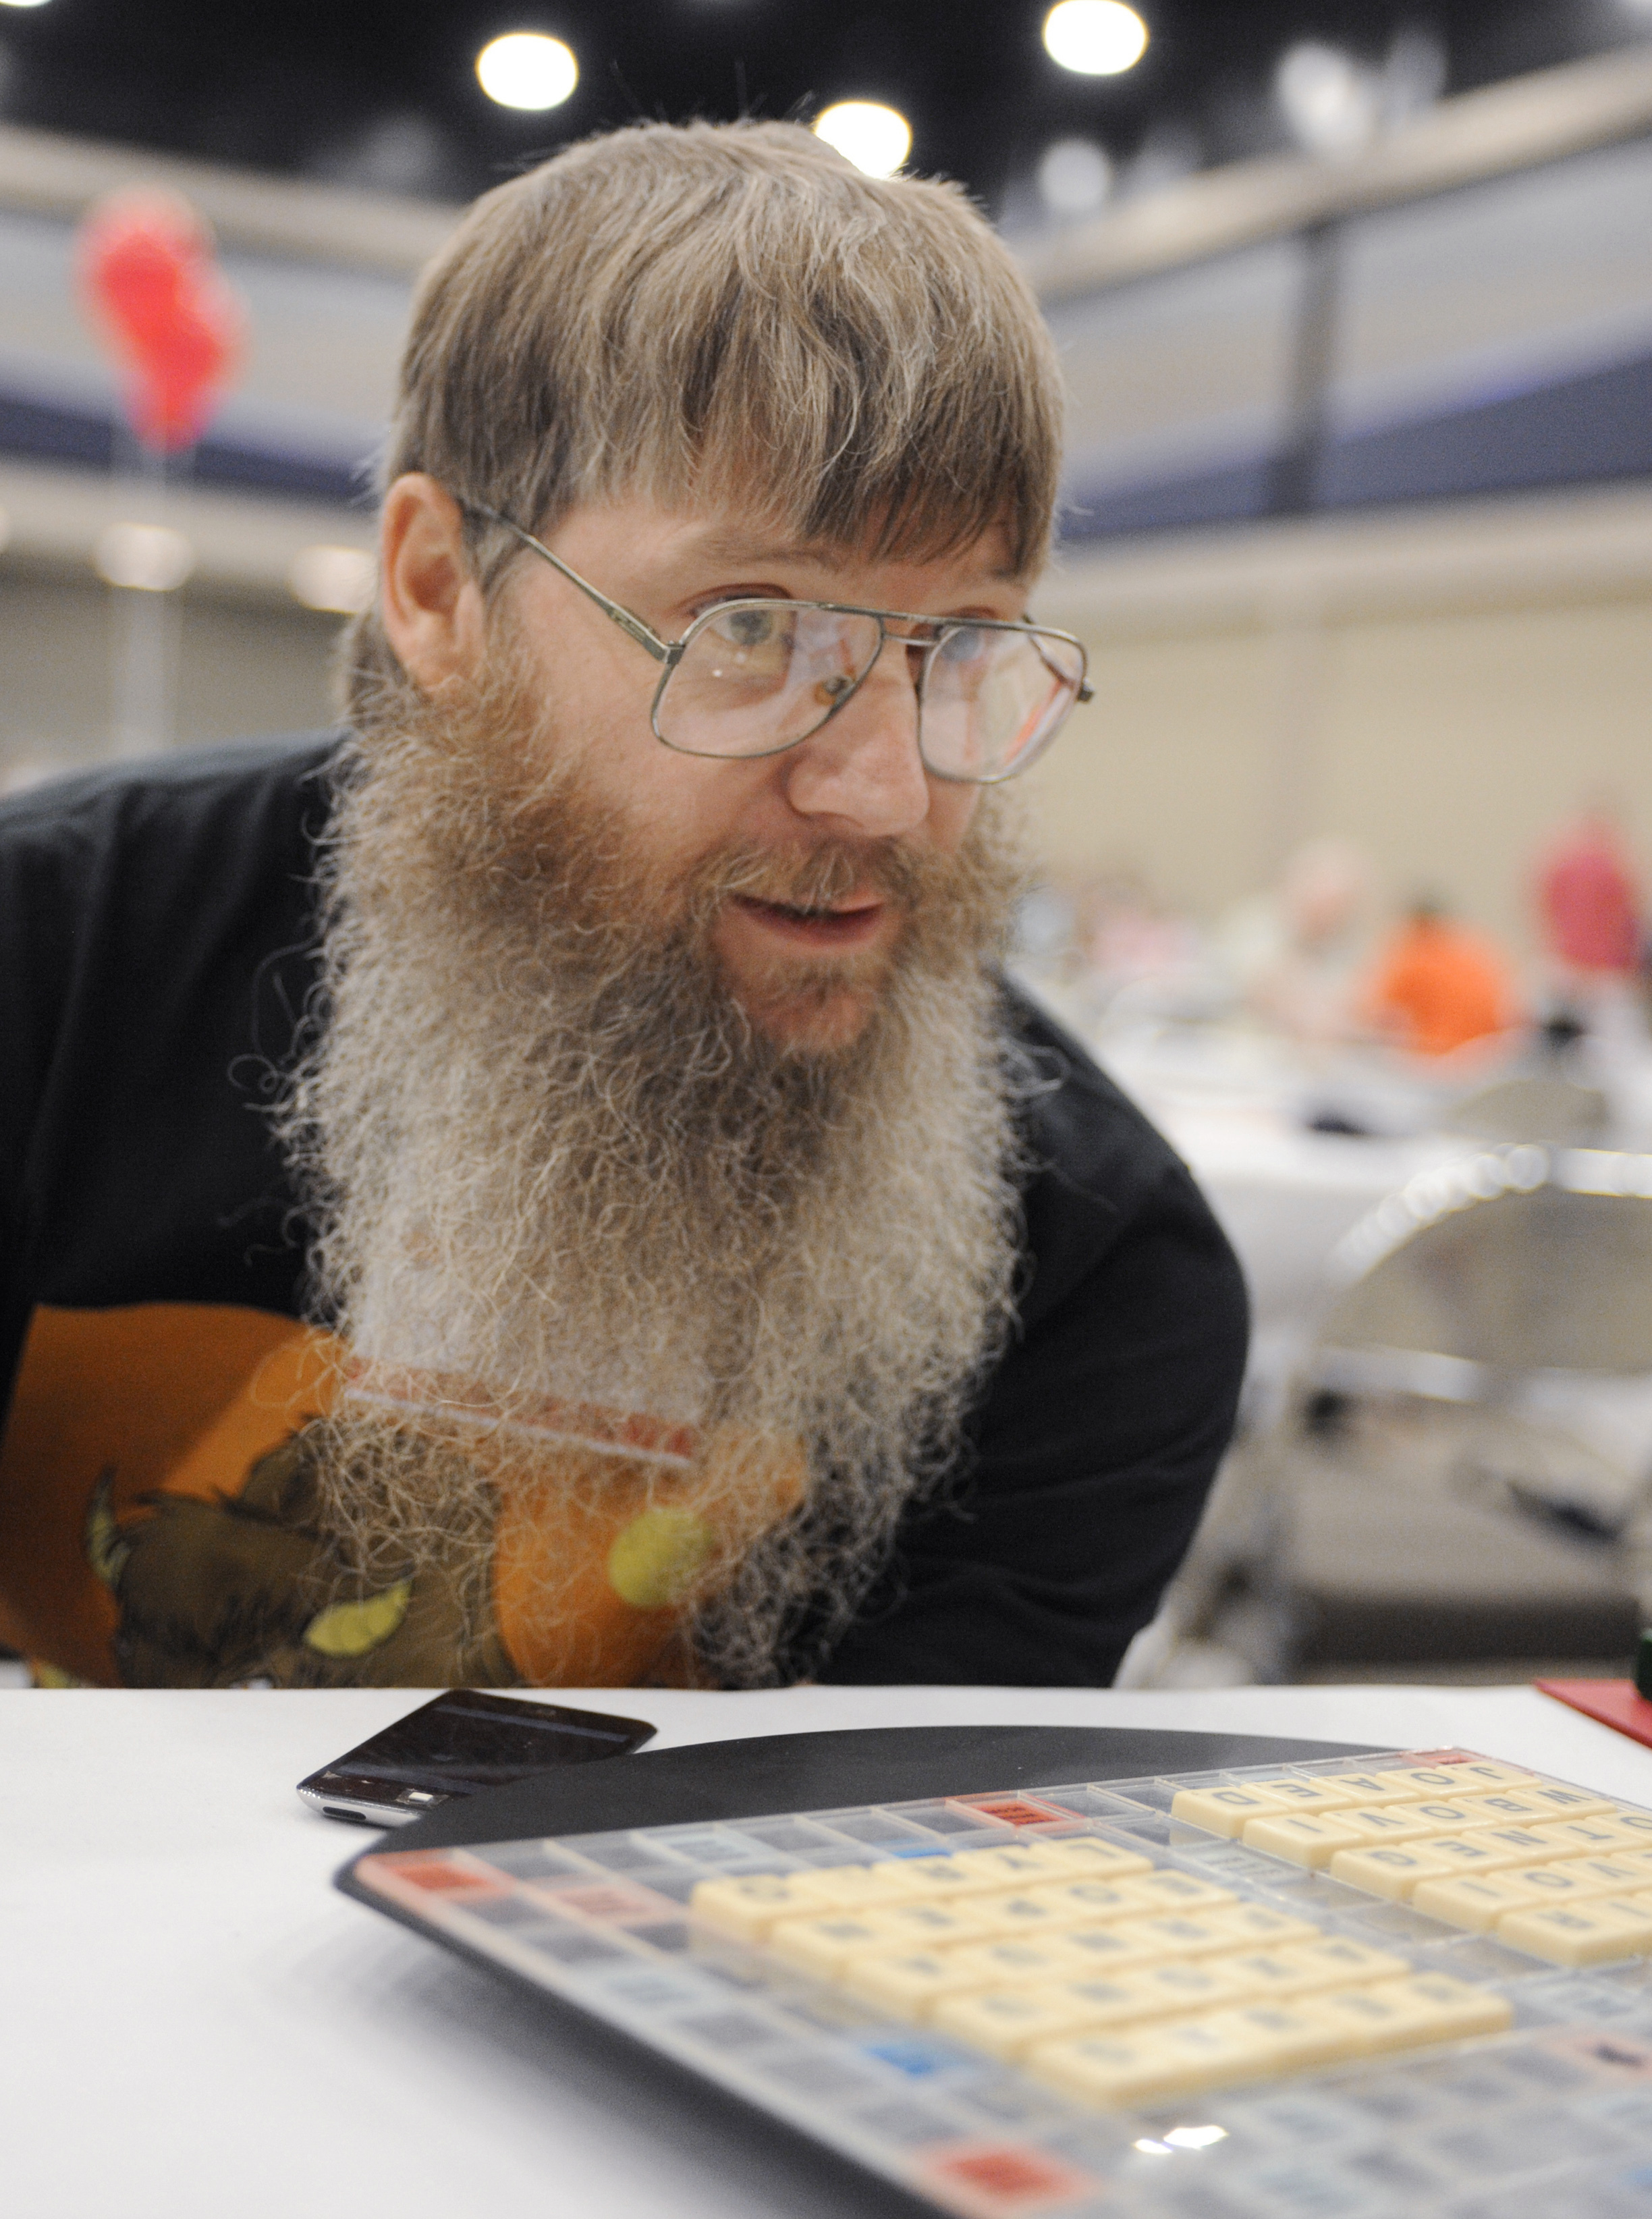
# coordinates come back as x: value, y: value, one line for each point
x: 746, y: 547
x: 737, y: 547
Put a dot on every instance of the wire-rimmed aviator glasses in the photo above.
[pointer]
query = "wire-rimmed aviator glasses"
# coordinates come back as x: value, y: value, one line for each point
x: 752, y: 677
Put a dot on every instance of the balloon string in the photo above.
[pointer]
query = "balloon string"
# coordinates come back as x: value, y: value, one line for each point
x: 144, y: 623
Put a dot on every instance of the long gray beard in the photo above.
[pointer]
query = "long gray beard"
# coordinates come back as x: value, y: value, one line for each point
x: 547, y: 1150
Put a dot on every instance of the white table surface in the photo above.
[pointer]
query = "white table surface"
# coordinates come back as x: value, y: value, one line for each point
x: 193, y: 2025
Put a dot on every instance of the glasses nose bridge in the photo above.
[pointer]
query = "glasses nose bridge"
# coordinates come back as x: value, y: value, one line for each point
x: 909, y: 655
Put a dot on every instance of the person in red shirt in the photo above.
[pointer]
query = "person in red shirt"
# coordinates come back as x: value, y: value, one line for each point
x: 1439, y: 984
x: 1589, y: 901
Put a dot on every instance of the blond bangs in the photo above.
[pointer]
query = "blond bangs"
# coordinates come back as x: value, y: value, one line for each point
x: 674, y: 308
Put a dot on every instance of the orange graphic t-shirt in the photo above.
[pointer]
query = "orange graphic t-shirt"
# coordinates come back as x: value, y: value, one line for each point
x: 159, y: 1519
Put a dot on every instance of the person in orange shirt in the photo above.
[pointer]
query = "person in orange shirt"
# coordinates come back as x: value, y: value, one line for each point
x: 1439, y: 984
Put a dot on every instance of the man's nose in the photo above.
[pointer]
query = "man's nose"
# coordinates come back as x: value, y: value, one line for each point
x: 863, y: 767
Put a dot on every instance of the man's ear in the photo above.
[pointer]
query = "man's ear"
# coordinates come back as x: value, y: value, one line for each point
x: 432, y: 607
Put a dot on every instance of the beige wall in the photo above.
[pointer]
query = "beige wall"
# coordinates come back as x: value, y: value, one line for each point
x: 243, y: 669
x: 1446, y: 710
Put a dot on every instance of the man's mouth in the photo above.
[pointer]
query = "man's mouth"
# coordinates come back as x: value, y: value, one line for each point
x: 852, y: 924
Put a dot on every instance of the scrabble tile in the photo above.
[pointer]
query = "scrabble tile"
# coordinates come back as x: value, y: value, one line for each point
x: 1180, y: 1989
x: 1395, y: 1870
x: 1109, y: 1949
x: 1595, y: 1836
x: 941, y: 1880
x: 1563, y: 1802
x: 1301, y: 1836
x: 1428, y: 1783
x: 1274, y: 1973
x: 848, y: 1887
x: 746, y: 1908
x: 1364, y: 1790
x: 1020, y: 1964
x: 1335, y: 1962
x: 908, y: 1982
x: 1299, y: 1969
x: 825, y: 1945
x: 1442, y: 2009
x: 1357, y: 2022
x: 1614, y: 1875
x: 1306, y: 1795
x: 1485, y: 1772
x: 1280, y: 2037
x: 1477, y: 1851
x: 1022, y: 1864
x: 1524, y: 1845
x: 1026, y: 1915
x: 1510, y: 1808
x: 1239, y: 1930
x: 1596, y: 1932
x: 1005, y: 2022
x: 1636, y: 1824
x: 1180, y: 1890
x: 1112, y: 2003
x: 1085, y: 1857
x: 1257, y: 1926
x: 1227, y: 2048
x: 931, y: 1925
x: 1094, y: 1902
x: 1154, y: 2064
x: 1223, y: 1809
x: 1574, y: 1879
x: 1180, y: 1936
x: 1405, y: 2013
x: 1108, y: 2068
x: 1408, y: 1822
x: 1476, y: 1900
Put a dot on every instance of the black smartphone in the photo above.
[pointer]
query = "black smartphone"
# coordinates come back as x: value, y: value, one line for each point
x: 457, y: 1745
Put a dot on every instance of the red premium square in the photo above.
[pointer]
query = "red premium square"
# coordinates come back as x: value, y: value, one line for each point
x: 1002, y: 2180
x: 1015, y: 1810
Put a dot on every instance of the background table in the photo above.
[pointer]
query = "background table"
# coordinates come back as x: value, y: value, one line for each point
x: 194, y: 2025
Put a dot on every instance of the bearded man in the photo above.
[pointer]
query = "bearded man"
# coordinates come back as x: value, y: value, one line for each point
x: 550, y: 1184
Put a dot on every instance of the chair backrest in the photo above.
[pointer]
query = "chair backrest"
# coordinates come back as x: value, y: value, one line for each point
x: 1536, y: 1107
x: 1520, y: 1260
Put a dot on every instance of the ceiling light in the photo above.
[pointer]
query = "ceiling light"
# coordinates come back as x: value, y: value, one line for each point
x: 1074, y: 176
x: 338, y: 580
x: 876, y: 138
x: 526, y: 69
x: 22, y: 3
x: 1329, y: 102
x: 1097, y: 38
x: 151, y: 558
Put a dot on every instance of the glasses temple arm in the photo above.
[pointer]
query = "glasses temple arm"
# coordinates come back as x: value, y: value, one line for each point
x: 633, y: 627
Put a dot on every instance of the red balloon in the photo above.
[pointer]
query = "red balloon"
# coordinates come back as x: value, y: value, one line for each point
x: 155, y: 290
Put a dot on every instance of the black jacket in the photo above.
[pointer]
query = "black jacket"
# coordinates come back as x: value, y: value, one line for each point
x: 157, y: 943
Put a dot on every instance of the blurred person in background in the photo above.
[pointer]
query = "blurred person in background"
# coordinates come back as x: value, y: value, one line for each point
x: 1589, y: 905
x: 1138, y: 951
x: 1437, y: 985
x: 550, y: 1184
x: 1299, y: 952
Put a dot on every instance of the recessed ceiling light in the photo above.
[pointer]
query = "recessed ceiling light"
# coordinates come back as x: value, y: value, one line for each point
x: 526, y: 69
x: 876, y: 138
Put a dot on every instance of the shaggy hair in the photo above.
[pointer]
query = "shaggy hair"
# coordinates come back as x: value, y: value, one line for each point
x: 673, y: 307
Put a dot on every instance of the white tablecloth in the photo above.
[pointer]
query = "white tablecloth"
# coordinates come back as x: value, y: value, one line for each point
x: 196, y: 2026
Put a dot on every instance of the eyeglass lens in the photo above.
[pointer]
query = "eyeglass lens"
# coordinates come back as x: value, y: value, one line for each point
x: 760, y: 675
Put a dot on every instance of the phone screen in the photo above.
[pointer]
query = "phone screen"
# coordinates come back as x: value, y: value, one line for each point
x: 461, y: 1742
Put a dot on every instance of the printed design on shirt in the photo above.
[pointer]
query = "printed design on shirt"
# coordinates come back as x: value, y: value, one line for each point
x: 159, y: 1518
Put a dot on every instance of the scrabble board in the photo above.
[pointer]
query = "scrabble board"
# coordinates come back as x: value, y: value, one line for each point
x: 1415, y: 1983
